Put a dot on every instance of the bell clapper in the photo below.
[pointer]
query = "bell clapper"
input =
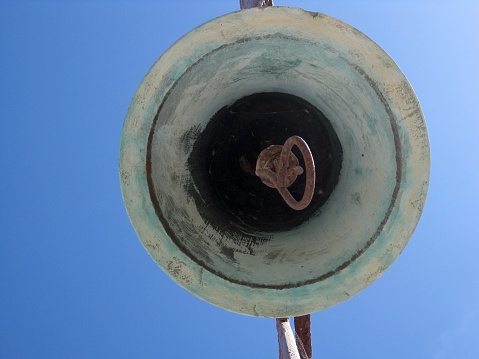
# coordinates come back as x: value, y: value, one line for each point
x: 278, y: 168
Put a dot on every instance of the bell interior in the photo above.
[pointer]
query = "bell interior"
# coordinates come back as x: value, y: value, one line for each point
x: 223, y: 161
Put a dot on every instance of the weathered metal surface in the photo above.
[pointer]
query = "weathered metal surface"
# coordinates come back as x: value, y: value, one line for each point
x: 248, y: 4
x: 302, y: 329
x: 286, y: 341
x: 278, y: 168
x: 352, y: 238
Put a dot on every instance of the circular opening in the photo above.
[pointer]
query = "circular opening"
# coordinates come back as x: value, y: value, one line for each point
x: 184, y: 216
x: 223, y: 160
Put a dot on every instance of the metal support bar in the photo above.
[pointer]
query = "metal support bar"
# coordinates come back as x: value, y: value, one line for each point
x: 302, y: 328
x: 248, y: 4
x: 287, y: 344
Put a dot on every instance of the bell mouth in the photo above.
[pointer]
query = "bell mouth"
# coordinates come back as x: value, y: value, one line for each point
x: 214, y: 121
x: 222, y: 162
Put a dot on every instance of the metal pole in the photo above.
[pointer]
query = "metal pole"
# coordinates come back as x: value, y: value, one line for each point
x: 302, y: 328
x: 287, y: 344
x: 248, y: 4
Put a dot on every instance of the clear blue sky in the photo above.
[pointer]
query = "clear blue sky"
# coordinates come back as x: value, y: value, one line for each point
x: 75, y: 282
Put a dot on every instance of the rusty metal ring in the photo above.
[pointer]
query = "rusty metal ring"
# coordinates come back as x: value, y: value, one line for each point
x: 279, y: 178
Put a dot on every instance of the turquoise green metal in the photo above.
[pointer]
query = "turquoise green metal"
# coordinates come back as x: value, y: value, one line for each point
x: 366, y: 222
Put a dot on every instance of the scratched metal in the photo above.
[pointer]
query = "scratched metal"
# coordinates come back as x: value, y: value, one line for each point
x: 367, y: 220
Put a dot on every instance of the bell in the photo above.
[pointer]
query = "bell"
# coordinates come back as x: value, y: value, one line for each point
x: 232, y: 88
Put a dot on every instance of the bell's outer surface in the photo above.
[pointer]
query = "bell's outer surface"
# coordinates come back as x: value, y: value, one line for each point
x: 367, y: 220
